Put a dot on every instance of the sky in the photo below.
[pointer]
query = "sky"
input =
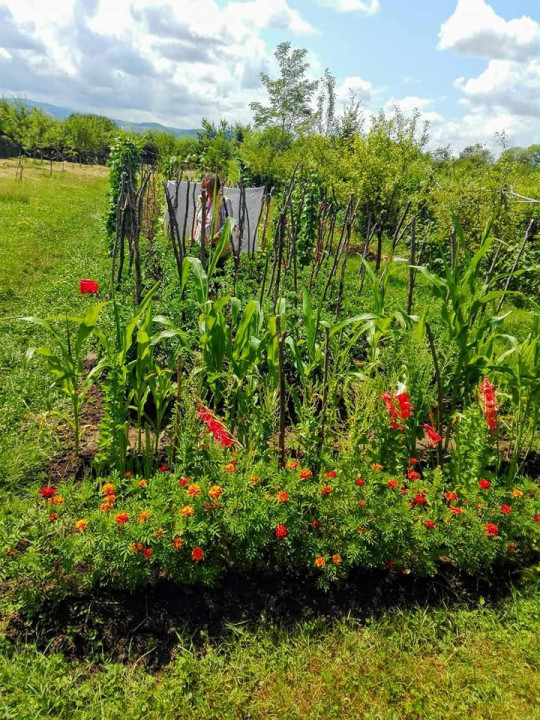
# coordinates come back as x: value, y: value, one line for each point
x: 471, y: 67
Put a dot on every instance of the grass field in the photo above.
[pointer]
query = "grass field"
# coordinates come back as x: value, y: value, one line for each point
x: 479, y: 660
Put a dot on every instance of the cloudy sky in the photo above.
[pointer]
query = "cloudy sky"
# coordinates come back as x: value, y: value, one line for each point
x: 472, y: 67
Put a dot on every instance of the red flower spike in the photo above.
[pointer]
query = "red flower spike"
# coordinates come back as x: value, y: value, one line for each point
x: 433, y: 436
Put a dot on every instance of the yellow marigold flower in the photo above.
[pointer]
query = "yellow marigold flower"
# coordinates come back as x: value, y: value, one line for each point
x: 143, y: 483
x: 144, y: 515
x: 291, y: 465
x: 336, y: 559
x: 57, y: 500
x: 230, y: 468
x: 108, y: 489
x: 187, y: 510
x: 215, y: 492
x: 177, y: 543
x: 282, y: 496
x: 255, y: 479
x: 81, y: 525
x: 305, y: 474
x: 194, y: 490
x: 320, y: 561
x: 515, y: 492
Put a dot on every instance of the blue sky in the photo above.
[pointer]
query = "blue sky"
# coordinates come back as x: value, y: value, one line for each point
x: 472, y: 67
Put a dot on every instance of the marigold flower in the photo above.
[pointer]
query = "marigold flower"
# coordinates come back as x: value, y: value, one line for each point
x: 455, y: 510
x: 159, y: 534
x: 193, y: 490
x: 143, y: 483
x: 291, y: 465
x: 326, y: 490
x: 376, y: 467
x: 392, y: 483
x: 361, y: 503
x: 127, y: 474
x: 330, y: 474
x: 336, y: 559
x: 57, y: 500
x: 282, y: 496
x: 106, y: 506
x: 230, y: 468
x: 163, y: 468
x: 147, y: 552
x: 517, y: 493
x: 537, y: 518
x: 316, y: 524
x: 419, y: 499
x: 215, y: 492
x: 413, y: 461
x: 177, y: 543
x: 197, y: 554
x: 255, y: 479
x: 403, y: 491
x: 511, y: 548
x: 81, y: 525
x: 506, y: 509
x: 361, y: 530
x: 492, y: 530
x: 485, y: 484
x: 108, y: 489
x: 47, y: 492
x: 390, y: 564
x: 429, y: 524
x: 184, y: 481
x: 121, y: 518
x: 137, y: 547
x: 413, y: 474
x: 360, y: 481
x: 53, y: 517
x: 187, y: 511
x: 320, y: 561
x: 450, y: 496
x: 281, y: 531
x: 305, y: 474
x: 144, y: 515
x: 433, y: 436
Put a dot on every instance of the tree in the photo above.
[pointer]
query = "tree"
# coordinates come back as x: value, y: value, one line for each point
x: 289, y: 95
x: 479, y: 154
x: 326, y: 105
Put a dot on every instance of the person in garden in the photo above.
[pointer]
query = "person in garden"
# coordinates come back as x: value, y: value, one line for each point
x: 217, y: 209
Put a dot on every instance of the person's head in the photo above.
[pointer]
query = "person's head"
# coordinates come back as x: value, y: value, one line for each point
x: 210, y: 183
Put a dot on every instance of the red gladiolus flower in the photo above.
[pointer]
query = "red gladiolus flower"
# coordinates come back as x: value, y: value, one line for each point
x: 215, y: 427
x: 47, y: 492
x: 330, y: 474
x: 397, y: 411
x: 488, y: 393
x: 492, y: 530
x: 450, y: 496
x: 433, y: 436
x: 326, y: 490
x: 283, y: 496
x: 163, y: 468
x: 392, y: 483
x: 429, y: 524
x: 197, y: 554
x: 506, y: 509
x: 281, y: 532
x: 412, y: 474
x: 121, y: 518
x: 147, y: 552
x: 485, y: 484
x: 360, y: 482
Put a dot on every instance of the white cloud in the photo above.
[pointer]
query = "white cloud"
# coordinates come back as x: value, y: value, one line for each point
x: 172, y: 60
x: 362, y: 89
x: 368, y: 7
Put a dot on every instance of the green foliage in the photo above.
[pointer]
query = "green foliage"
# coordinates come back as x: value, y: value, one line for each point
x: 124, y: 160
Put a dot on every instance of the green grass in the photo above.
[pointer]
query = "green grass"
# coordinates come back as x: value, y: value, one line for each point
x: 419, y: 664
x: 51, y: 235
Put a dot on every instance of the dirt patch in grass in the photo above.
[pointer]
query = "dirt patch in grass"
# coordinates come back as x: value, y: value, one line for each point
x: 145, y: 626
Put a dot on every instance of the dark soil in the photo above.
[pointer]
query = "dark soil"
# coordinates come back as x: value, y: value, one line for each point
x: 145, y: 626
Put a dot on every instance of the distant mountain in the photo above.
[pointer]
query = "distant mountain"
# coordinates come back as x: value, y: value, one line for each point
x: 61, y: 113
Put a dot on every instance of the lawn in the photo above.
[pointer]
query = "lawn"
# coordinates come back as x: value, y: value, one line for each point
x: 415, y: 659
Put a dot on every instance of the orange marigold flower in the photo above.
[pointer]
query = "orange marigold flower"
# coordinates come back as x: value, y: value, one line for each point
x: 144, y: 515
x: 255, y: 479
x: 336, y: 559
x: 330, y: 474
x: 121, y: 518
x: 215, y: 492
x: 108, y: 489
x: 143, y: 483
x: 127, y: 474
x: 230, y: 468
x: 360, y: 481
x: 506, y: 509
x: 184, y: 481
x: 187, y: 510
x: 283, y: 496
x: 326, y: 490
x: 320, y: 561
x: 456, y: 510
x: 193, y: 490
x: 57, y: 500
x: 517, y: 493
x: 53, y: 517
x: 159, y: 534
x: 81, y: 525
x: 305, y: 474
x: 392, y: 483
x: 147, y: 552
x: 281, y: 531
x: 429, y: 524
x: 492, y: 530
x: 291, y: 465
x: 485, y: 484
x: 47, y: 492
x: 197, y: 554
x: 376, y: 466
x: 137, y: 547
x: 413, y: 461
x: 450, y: 496
x: 177, y: 543
x: 413, y: 474
x: 361, y: 503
